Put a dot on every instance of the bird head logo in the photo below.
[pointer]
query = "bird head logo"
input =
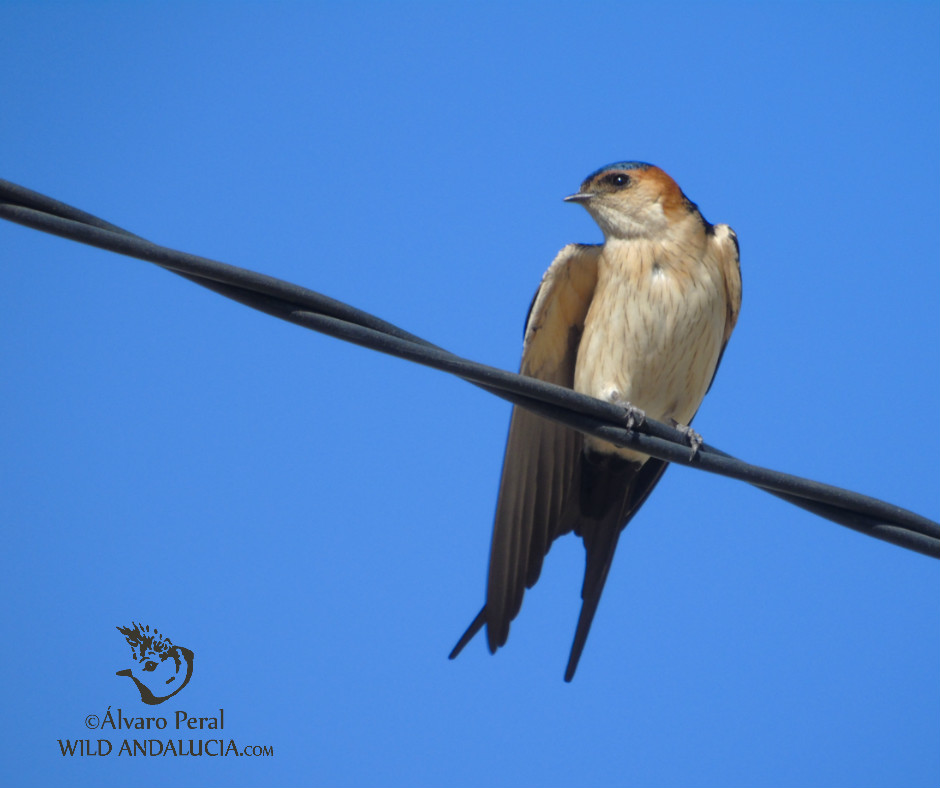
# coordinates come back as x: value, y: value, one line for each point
x: 160, y: 669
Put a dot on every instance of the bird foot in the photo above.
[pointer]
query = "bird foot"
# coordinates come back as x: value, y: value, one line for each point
x: 693, y: 438
x: 634, y: 417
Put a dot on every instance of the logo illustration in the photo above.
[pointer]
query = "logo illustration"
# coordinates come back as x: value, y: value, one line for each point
x: 161, y: 669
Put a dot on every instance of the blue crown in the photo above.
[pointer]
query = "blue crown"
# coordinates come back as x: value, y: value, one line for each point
x: 621, y: 165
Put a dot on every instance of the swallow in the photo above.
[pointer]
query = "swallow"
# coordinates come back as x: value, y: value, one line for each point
x: 642, y: 321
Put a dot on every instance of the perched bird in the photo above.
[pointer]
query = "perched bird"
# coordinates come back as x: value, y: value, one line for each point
x: 641, y: 320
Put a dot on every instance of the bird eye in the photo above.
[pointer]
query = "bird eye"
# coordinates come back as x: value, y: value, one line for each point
x: 618, y: 179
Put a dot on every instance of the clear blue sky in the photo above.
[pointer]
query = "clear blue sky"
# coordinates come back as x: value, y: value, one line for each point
x: 313, y: 519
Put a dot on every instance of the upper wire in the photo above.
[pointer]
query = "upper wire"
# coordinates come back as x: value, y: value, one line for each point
x: 318, y: 312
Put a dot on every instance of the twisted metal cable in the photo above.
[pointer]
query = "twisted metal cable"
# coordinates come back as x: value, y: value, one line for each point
x: 318, y: 312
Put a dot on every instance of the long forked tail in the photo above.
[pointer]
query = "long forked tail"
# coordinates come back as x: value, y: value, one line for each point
x: 599, y: 558
x: 598, y: 566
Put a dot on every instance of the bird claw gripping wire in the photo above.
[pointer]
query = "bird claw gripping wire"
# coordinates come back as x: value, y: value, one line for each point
x: 694, y: 439
x: 633, y: 417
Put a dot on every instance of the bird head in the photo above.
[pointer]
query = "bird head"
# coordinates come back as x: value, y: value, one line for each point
x: 631, y: 199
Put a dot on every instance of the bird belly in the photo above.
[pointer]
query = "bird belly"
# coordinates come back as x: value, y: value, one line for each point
x: 652, y: 338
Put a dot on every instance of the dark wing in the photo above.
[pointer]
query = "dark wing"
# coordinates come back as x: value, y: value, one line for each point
x: 728, y: 253
x: 535, y: 504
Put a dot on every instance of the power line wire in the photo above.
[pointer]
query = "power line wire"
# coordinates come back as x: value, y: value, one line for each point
x: 318, y: 312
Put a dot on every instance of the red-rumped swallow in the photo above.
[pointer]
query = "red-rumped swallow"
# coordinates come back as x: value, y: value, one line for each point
x: 641, y: 320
